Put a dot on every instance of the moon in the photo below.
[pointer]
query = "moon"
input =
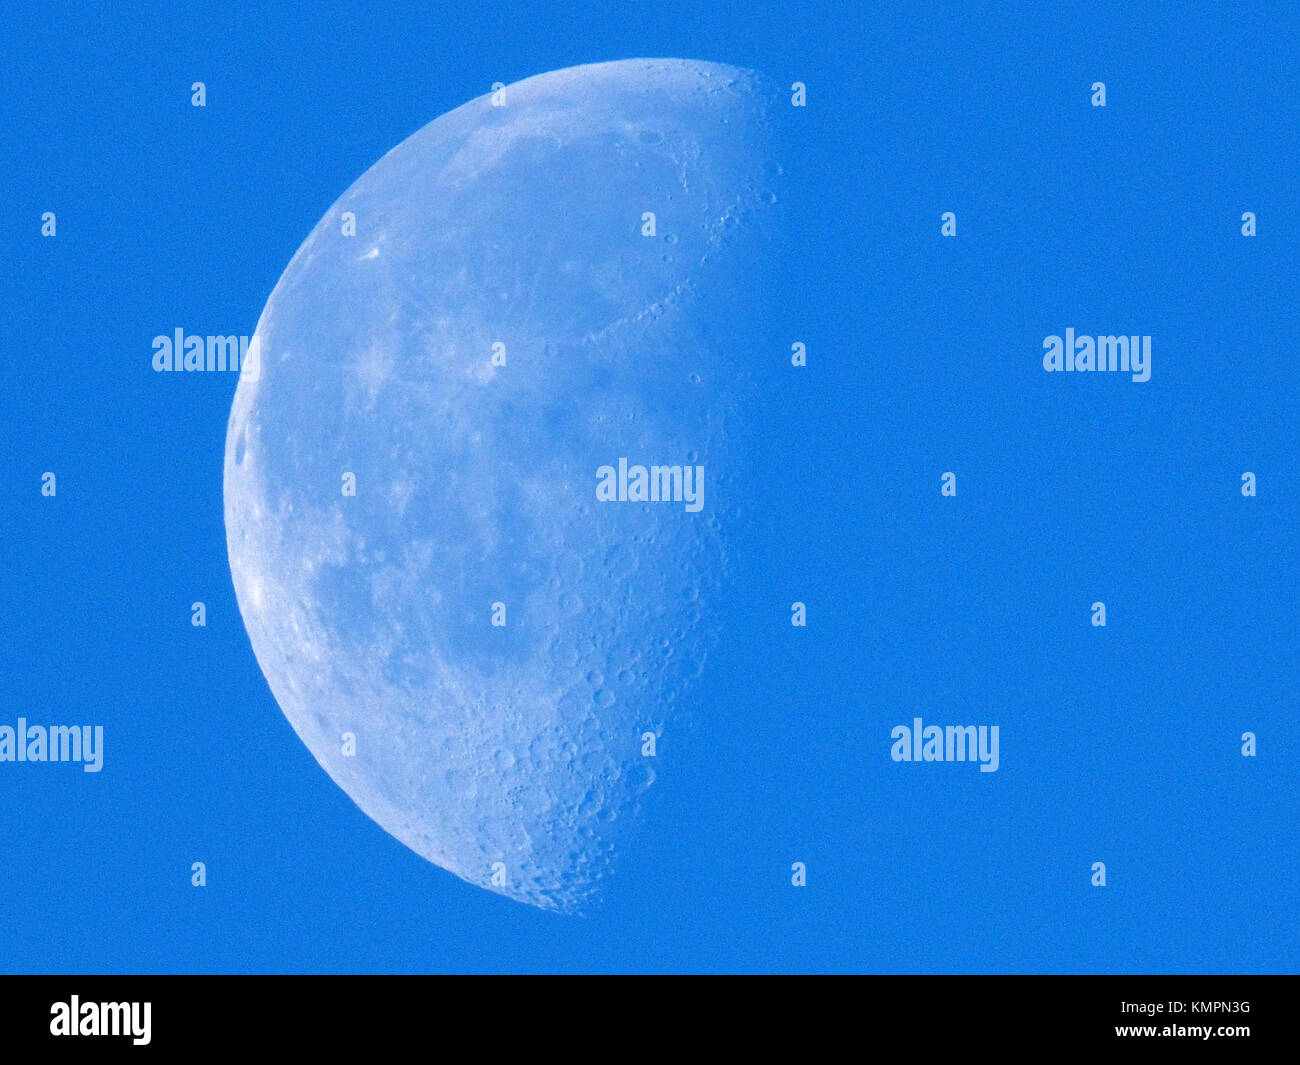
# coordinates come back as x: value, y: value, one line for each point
x: 478, y: 648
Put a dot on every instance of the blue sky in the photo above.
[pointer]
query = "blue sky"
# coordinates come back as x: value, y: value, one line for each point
x: 1119, y: 745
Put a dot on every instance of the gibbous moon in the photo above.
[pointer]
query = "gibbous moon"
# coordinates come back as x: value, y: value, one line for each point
x: 471, y: 640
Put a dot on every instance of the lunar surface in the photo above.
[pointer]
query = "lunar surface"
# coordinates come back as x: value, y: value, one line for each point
x: 470, y: 641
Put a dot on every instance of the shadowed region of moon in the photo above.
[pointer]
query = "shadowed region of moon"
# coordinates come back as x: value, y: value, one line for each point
x: 510, y: 755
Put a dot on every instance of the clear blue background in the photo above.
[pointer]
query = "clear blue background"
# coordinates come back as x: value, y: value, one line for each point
x: 1118, y: 745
